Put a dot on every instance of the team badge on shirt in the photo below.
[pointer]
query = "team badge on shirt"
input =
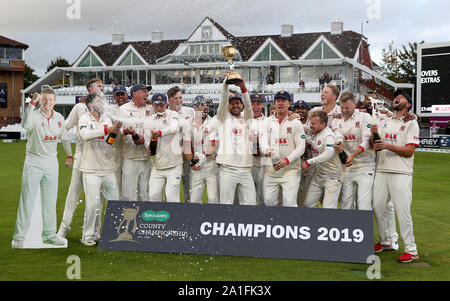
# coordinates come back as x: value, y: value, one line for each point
x: 289, y: 130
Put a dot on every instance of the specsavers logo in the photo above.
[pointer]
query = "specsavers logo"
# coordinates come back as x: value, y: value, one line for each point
x: 160, y: 216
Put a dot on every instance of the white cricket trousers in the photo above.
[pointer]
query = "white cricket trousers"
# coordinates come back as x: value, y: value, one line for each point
x: 258, y: 174
x: 357, y: 183
x: 303, y: 187
x: 208, y: 174
x: 73, y: 194
x: 289, y: 185
x: 328, y: 188
x: 186, y: 179
x: 38, y: 172
x: 397, y: 187
x: 170, y: 178
x: 135, y: 177
x: 236, y: 178
x: 96, y: 186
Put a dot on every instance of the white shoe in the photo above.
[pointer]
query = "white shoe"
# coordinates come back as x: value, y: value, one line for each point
x: 62, y: 232
x: 54, y: 240
x: 88, y: 243
x: 17, y: 244
x: 395, y: 245
x: 97, y: 236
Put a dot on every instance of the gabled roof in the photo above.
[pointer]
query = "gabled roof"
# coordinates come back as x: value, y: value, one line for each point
x: 294, y: 46
x: 297, y: 44
x: 4, y: 41
x: 109, y: 53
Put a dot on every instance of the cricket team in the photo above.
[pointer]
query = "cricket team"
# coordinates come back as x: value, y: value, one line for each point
x: 144, y: 148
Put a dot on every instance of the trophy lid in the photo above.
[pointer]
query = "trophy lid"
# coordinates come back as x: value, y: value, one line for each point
x: 229, y: 52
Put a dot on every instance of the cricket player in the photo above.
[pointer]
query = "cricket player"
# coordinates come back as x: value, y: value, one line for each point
x: 120, y: 95
x: 258, y: 131
x: 97, y: 165
x: 353, y: 136
x: 285, y: 145
x: 328, y: 98
x: 302, y: 108
x: 167, y: 164
x: 394, y: 171
x: 200, y: 139
x: 136, y: 166
x: 93, y: 86
x: 44, y: 128
x: 328, y: 174
x: 234, y: 153
x: 76, y: 181
x: 185, y: 115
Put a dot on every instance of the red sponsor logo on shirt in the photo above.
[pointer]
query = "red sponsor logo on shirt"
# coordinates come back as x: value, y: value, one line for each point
x: 281, y: 141
x: 51, y: 138
x: 352, y: 137
x: 390, y: 136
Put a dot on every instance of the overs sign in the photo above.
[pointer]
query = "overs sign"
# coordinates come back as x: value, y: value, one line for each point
x: 255, y: 231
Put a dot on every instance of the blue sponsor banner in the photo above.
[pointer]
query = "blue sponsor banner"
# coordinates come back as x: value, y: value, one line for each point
x: 255, y: 231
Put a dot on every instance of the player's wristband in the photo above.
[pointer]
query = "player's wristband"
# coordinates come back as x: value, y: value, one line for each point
x: 244, y: 91
x: 32, y: 103
x: 287, y: 160
x: 306, y: 162
x: 69, y: 157
x: 160, y: 133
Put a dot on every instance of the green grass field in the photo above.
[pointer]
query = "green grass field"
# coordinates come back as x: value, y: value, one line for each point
x: 430, y: 211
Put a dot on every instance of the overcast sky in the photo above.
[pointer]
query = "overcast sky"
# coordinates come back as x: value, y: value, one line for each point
x: 55, y: 28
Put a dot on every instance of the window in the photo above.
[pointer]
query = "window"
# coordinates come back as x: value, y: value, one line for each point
x: 202, y: 49
x: 270, y: 53
x: 286, y: 74
x: 164, y: 77
x: 90, y: 60
x: 131, y: 59
x: 253, y: 74
x: 10, y: 53
x: 322, y: 51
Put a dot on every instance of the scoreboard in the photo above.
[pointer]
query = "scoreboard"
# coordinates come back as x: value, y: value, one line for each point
x: 433, y: 79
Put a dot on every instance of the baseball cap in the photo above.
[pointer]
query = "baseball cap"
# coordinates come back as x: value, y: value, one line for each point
x: 401, y: 92
x: 234, y: 96
x: 137, y: 87
x: 256, y: 97
x: 283, y: 94
x: 199, y: 100
x: 119, y: 88
x: 159, y: 98
x: 302, y: 103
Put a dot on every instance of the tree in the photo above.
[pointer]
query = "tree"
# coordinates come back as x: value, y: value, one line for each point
x: 58, y: 62
x: 29, y: 76
x: 400, y: 65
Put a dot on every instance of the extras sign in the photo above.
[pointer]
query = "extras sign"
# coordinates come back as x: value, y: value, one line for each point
x: 276, y: 232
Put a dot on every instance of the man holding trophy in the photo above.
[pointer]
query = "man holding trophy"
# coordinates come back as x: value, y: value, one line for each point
x: 234, y: 154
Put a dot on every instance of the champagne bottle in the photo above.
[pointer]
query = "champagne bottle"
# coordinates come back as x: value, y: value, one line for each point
x: 376, y: 137
x: 135, y: 137
x: 193, y: 161
x: 111, y: 138
x: 153, y: 144
x: 256, y: 147
x: 343, y: 156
